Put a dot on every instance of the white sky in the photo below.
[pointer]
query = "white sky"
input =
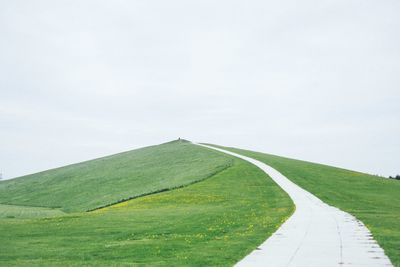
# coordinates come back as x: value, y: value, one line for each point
x: 315, y: 80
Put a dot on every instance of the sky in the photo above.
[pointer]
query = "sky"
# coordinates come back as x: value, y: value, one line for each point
x: 313, y: 80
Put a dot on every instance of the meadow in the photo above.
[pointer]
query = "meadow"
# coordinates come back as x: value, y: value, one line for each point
x: 214, y: 222
x: 174, y: 204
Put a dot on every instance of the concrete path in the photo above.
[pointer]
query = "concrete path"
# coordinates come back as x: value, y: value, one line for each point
x: 315, y: 235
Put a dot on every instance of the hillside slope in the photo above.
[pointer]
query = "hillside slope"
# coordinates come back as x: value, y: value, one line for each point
x: 373, y: 200
x: 215, y: 222
x: 100, y: 182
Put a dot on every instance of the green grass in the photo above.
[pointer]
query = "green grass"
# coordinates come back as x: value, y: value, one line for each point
x: 96, y: 183
x: 215, y: 222
x: 11, y: 211
x: 373, y: 200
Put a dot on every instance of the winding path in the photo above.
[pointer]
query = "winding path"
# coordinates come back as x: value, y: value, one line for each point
x: 315, y: 235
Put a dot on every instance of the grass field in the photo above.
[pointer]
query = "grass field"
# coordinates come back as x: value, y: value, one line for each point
x: 99, y: 182
x: 215, y: 222
x: 374, y: 200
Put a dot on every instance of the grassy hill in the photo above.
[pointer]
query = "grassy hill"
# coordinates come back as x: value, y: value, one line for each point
x: 100, y: 182
x: 221, y: 208
x: 214, y: 222
x: 373, y: 200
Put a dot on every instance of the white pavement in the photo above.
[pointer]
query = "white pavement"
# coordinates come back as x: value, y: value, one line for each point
x: 315, y: 235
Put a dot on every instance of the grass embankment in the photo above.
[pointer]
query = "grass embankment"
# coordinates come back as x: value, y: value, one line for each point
x: 215, y: 222
x: 96, y: 183
x: 373, y: 200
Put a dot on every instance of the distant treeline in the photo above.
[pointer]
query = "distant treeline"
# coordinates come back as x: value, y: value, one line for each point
x: 397, y: 177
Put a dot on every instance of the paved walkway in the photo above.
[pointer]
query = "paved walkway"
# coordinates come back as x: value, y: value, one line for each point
x: 315, y: 235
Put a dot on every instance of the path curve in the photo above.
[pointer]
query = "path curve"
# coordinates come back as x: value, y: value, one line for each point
x: 315, y: 235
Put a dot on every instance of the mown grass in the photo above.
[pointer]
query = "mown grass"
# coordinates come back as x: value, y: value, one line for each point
x: 12, y: 211
x: 373, y: 200
x: 215, y: 222
x: 100, y: 182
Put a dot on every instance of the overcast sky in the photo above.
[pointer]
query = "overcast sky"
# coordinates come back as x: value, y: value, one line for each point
x: 314, y: 80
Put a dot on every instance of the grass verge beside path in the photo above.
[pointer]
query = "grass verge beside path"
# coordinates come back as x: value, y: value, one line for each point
x: 215, y: 222
x: 373, y: 200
